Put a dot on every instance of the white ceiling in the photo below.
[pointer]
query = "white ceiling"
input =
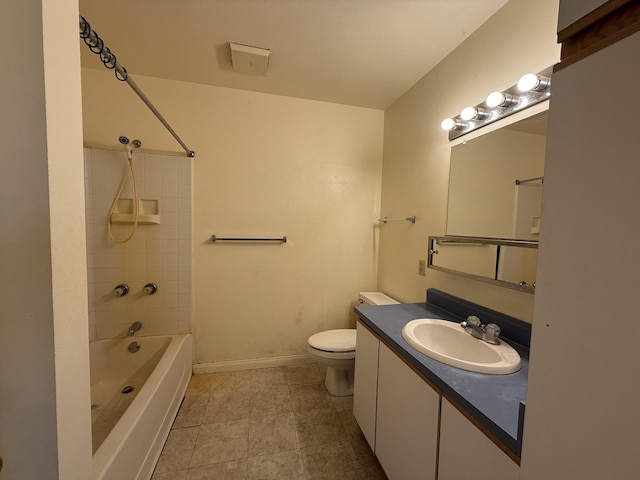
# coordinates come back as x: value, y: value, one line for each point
x: 355, y: 52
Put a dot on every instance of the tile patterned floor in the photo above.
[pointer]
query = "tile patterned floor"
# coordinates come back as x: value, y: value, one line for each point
x: 271, y: 423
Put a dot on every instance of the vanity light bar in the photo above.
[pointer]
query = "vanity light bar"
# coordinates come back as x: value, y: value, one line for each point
x: 531, y: 89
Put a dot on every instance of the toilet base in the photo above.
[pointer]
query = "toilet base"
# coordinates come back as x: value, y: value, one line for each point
x: 339, y: 383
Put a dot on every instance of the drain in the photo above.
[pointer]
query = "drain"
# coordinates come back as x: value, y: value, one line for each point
x: 127, y: 389
x: 134, y: 347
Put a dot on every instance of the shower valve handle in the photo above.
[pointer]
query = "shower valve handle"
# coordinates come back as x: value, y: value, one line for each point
x: 121, y: 290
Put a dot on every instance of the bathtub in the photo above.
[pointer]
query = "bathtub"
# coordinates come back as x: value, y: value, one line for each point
x: 134, y: 400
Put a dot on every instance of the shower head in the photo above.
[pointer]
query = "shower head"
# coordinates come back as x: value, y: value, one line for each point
x: 123, y: 140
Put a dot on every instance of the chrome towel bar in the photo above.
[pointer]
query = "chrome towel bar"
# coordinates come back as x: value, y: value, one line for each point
x: 215, y: 238
x: 529, y: 180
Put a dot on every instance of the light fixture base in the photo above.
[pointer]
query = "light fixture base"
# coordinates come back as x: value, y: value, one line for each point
x: 512, y: 101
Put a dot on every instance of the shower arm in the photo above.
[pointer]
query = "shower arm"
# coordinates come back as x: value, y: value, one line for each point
x: 97, y: 46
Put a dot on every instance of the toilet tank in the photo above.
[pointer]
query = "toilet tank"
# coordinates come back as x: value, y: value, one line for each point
x: 375, y: 298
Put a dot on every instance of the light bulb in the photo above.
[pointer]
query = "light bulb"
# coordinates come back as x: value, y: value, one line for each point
x: 495, y: 99
x: 528, y: 82
x: 468, y: 113
x: 531, y: 82
x: 474, y: 113
x: 500, y: 99
x: 448, y: 124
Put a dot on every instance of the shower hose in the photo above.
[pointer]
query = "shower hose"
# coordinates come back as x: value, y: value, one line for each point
x: 129, y: 153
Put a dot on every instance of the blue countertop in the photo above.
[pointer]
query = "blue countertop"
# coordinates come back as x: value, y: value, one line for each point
x: 493, y: 401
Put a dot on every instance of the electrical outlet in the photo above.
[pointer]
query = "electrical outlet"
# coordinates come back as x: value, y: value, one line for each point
x: 421, y: 267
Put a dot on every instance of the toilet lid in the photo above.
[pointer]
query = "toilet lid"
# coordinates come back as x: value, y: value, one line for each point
x: 342, y: 340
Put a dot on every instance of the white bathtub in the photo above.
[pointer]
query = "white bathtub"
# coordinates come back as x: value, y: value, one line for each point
x: 131, y: 428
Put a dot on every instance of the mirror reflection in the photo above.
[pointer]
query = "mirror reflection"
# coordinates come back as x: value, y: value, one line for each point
x: 510, y: 263
x: 495, y: 183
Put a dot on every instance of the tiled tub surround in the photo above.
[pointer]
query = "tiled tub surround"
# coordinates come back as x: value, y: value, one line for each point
x: 494, y: 401
x: 272, y: 423
x: 161, y: 254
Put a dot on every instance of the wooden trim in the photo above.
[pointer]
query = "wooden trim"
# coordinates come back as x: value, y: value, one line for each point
x: 606, y: 25
x: 590, y: 18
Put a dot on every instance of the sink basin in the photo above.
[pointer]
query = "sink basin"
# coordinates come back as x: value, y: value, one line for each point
x: 448, y: 343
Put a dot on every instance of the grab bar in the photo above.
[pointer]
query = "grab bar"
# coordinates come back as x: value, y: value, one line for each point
x: 215, y: 238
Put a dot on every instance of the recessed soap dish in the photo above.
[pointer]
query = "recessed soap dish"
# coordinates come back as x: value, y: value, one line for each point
x: 148, y: 211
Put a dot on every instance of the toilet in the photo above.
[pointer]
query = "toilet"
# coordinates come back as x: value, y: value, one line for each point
x: 336, y: 349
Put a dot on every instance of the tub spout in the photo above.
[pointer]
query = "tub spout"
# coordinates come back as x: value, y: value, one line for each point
x: 135, y: 326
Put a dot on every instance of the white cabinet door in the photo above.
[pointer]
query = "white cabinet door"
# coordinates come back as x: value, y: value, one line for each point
x: 365, y: 388
x: 466, y: 453
x: 407, y: 421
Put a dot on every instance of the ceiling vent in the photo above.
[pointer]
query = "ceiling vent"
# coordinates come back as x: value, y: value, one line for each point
x: 249, y: 60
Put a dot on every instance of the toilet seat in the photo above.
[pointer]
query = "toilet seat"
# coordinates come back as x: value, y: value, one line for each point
x: 339, y: 341
x: 349, y: 355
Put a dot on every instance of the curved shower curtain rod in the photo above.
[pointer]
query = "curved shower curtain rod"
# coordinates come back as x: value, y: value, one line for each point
x: 97, y: 46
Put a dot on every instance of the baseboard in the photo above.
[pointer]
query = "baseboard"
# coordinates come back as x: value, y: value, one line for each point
x: 252, y: 363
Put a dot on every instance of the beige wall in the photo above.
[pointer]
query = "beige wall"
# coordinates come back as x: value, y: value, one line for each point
x: 264, y: 165
x: 45, y: 426
x: 519, y: 38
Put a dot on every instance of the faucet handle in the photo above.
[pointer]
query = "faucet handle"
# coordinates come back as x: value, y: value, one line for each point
x: 492, y: 332
x: 120, y: 290
x: 473, y: 320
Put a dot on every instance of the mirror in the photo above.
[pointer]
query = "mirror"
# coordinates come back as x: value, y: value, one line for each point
x: 510, y: 263
x: 495, y: 182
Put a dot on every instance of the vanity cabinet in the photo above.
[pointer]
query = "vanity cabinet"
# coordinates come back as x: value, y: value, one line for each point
x: 415, y: 432
x: 406, y: 421
x: 396, y: 409
x: 366, y: 383
x: 465, y: 452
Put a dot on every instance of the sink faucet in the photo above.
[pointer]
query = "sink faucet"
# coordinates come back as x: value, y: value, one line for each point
x: 135, y: 326
x: 487, y: 333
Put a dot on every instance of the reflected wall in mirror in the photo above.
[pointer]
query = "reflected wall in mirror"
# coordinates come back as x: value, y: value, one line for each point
x: 510, y: 263
x: 484, y: 198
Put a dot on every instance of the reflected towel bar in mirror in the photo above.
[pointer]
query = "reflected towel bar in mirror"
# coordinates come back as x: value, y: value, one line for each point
x: 411, y: 219
x: 509, y: 263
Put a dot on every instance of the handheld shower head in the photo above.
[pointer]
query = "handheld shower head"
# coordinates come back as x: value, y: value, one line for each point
x: 129, y: 145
